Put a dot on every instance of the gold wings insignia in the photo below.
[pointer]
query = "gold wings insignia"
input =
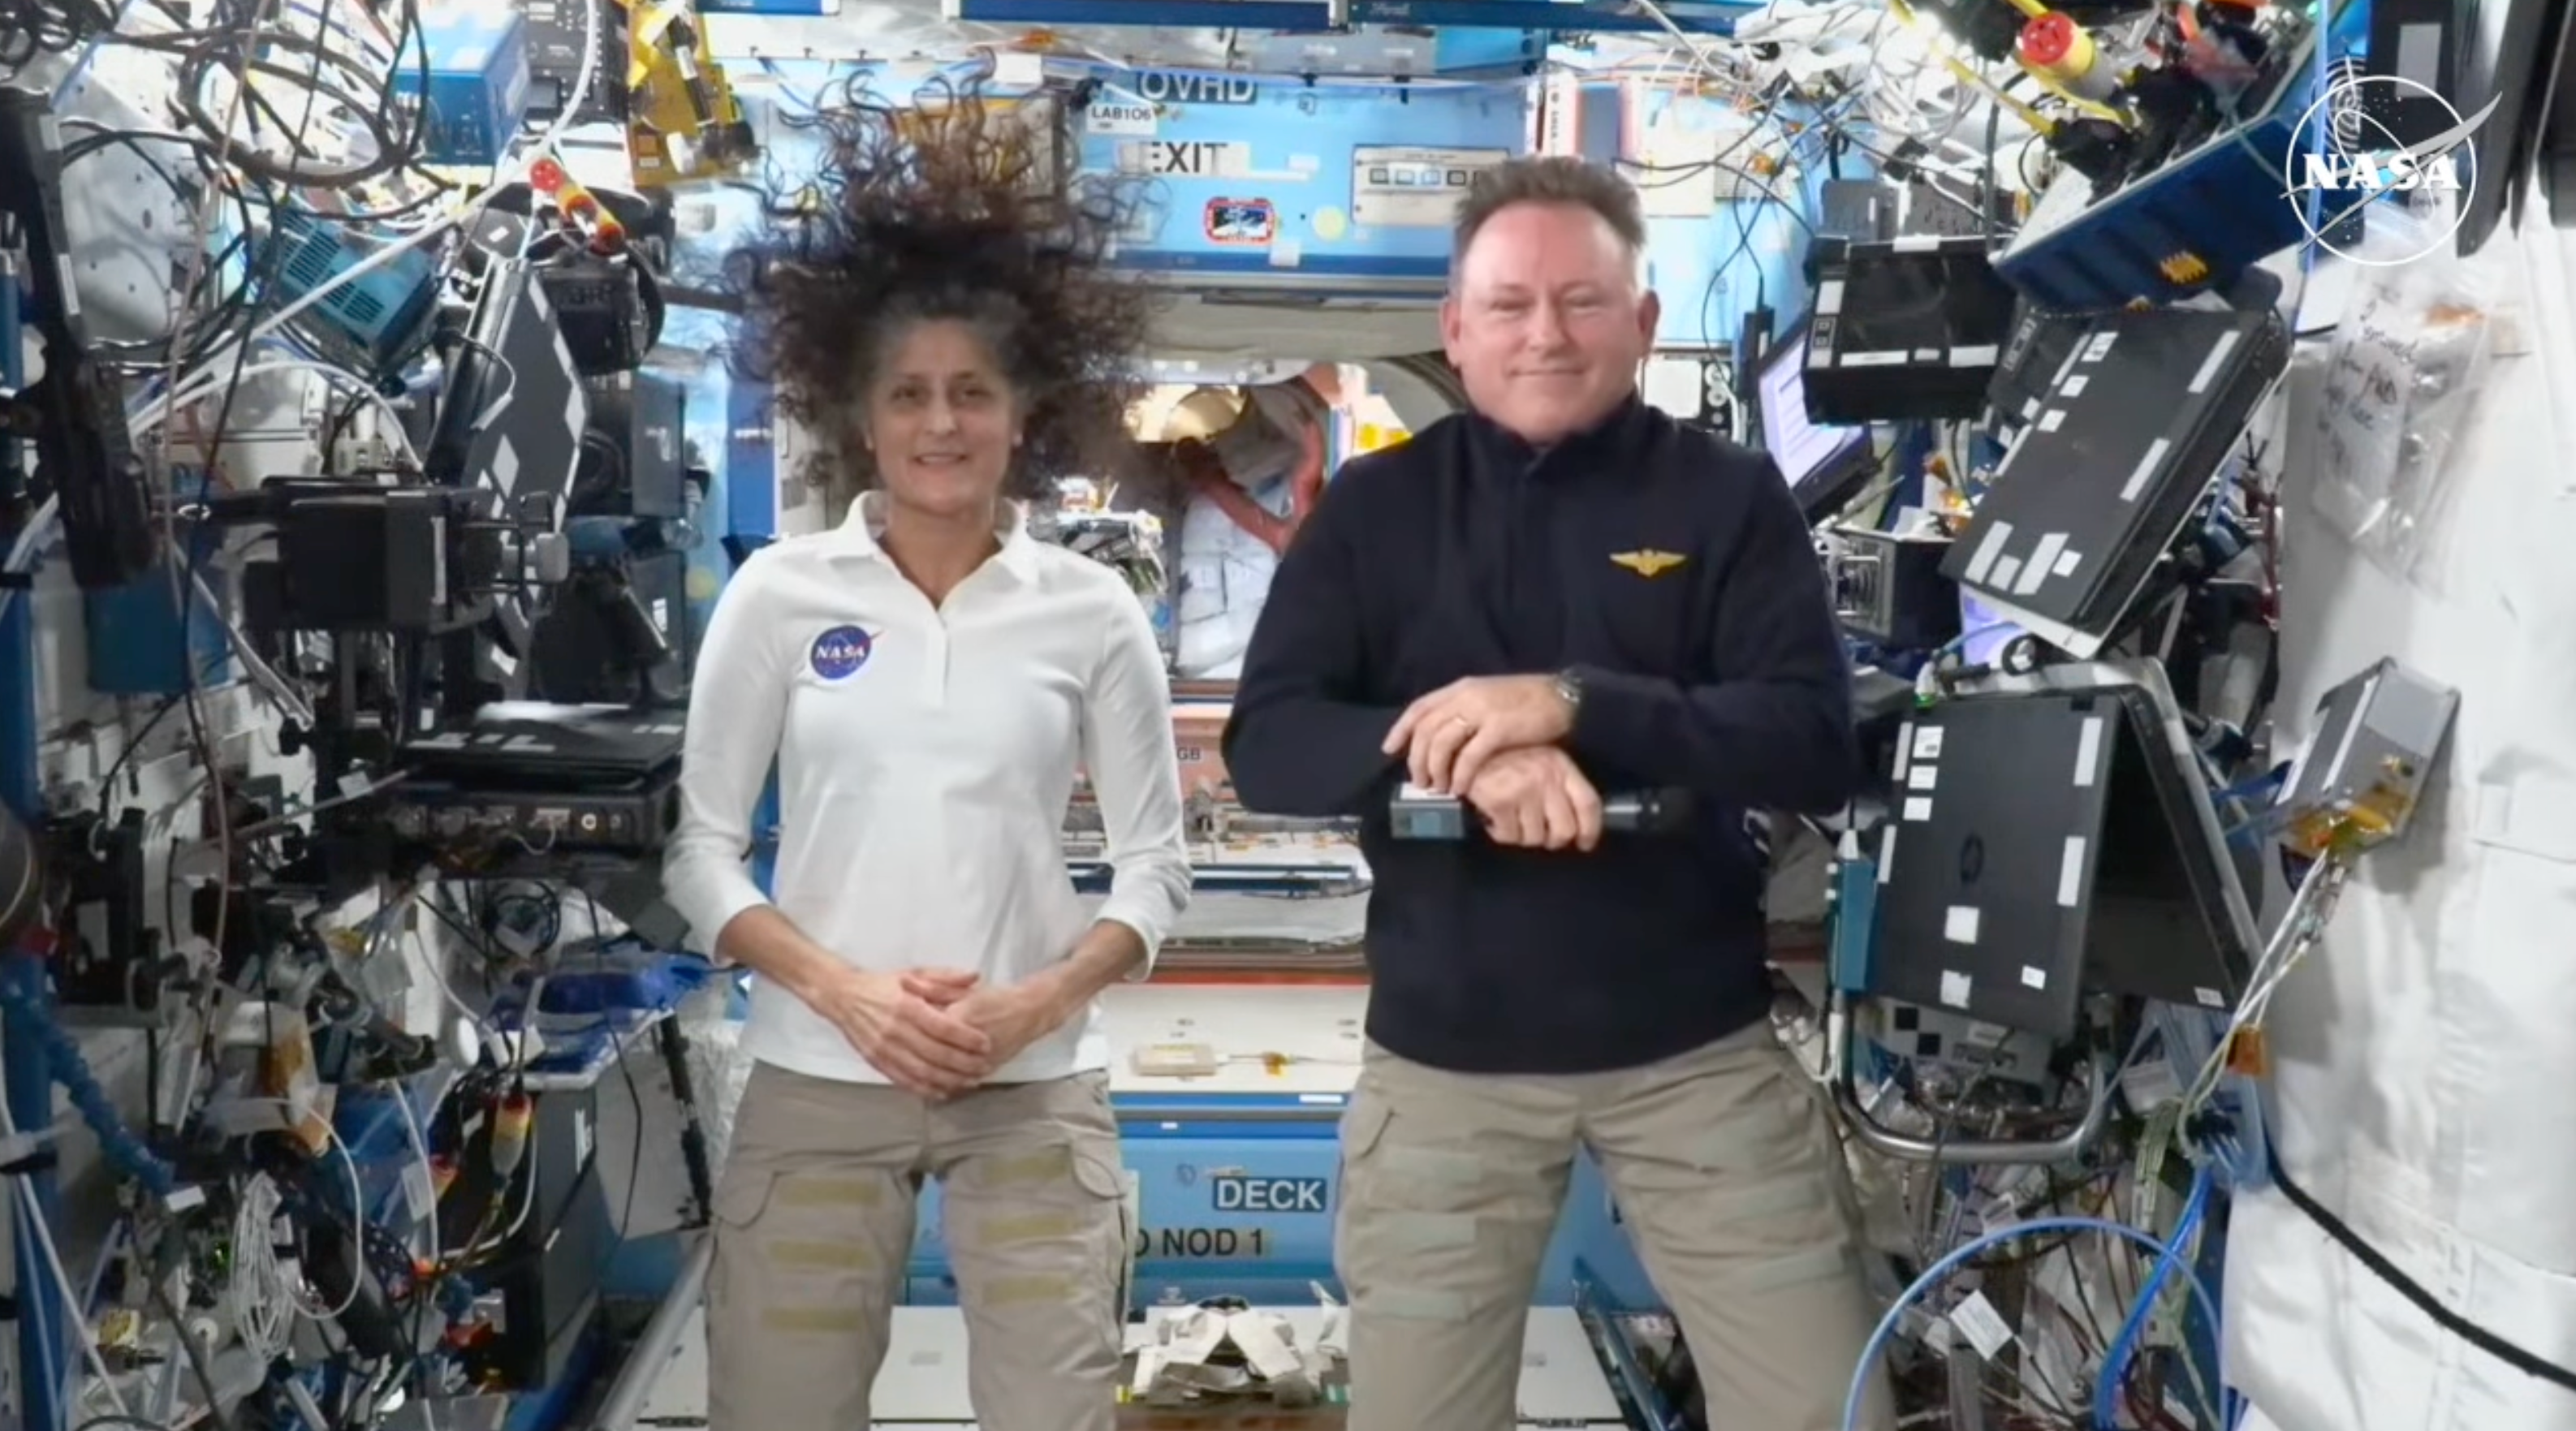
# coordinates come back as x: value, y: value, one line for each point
x: 1648, y: 563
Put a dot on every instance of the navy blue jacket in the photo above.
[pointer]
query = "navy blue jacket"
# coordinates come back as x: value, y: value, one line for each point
x: 1674, y: 572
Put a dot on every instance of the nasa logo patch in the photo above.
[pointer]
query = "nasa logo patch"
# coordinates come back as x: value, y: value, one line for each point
x: 840, y: 652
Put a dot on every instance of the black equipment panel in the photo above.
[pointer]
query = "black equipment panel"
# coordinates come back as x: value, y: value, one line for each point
x: 1907, y: 330
x: 2095, y: 489
x: 2048, y: 842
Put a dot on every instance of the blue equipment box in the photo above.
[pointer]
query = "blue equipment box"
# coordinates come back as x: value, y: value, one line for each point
x: 2196, y: 224
x: 376, y: 313
x: 1855, y: 921
x: 478, y: 83
x: 1236, y: 1196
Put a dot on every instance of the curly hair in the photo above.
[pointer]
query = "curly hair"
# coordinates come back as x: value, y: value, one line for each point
x: 949, y: 207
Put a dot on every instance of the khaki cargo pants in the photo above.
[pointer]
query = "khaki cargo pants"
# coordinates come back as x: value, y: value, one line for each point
x: 814, y: 1226
x: 1727, y: 1175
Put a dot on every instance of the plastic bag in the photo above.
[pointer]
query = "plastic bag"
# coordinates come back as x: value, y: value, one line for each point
x: 719, y: 1065
x: 2406, y: 364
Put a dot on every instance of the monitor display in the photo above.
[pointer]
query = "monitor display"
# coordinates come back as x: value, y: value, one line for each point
x: 1806, y: 451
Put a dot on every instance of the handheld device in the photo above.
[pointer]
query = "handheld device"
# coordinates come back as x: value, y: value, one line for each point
x: 1420, y: 814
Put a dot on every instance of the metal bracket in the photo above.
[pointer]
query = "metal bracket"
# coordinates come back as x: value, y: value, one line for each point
x: 1904, y: 1147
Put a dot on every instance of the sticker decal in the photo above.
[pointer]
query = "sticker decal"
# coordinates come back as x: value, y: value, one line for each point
x: 1242, y: 221
x: 840, y: 652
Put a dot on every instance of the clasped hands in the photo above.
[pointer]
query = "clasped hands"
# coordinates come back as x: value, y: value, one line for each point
x: 1493, y: 741
x: 937, y: 1032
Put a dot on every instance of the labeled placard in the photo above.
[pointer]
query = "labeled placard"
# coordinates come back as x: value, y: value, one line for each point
x: 1396, y: 187
x: 1202, y: 1244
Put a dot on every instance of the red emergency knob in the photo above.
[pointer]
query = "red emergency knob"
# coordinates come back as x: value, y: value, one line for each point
x: 2057, y: 49
x: 547, y: 175
x: 2049, y: 41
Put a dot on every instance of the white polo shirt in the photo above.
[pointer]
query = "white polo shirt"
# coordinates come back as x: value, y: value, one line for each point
x: 925, y: 760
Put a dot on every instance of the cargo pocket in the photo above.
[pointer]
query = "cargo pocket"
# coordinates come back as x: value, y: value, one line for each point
x: 1435, y: 1231
x: 1091, y: 1122
x: 1101, y: 1174
x: 742, y: 1195
x: 1091, y: 1225
x: 1364, y: 1125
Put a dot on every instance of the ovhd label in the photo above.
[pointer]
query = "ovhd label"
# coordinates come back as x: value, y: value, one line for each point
x: 1246, y: 1194
x: 1165, y: 87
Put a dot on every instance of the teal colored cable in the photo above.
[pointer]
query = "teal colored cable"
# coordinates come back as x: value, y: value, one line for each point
x: 2124, y: 1347
x: 1933, y: 1276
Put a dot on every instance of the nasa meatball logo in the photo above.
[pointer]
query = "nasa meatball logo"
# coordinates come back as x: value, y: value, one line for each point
x: 840, y: 652
x: 2360, y: 160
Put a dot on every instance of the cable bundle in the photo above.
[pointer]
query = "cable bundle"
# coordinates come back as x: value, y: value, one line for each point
x: 29, y: 28
x: 260, y: 1299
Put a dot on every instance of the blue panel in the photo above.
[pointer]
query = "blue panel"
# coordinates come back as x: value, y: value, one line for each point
x: 2196, y: 224
x: 1855, y: 916
x: 1254, y: 181
x: 26, y: 1066
x: 478, y: 82
x: 138, y: 645
x: 750, y: 463
x: 1223, y: 152
x: 1589, y: 16
x: 1711, y: 272
x: 379, y: 1146
x: 1591, y: 1247
x: 2201, y: 1334
x: 1750, y: 252
x: 708, y: 426
x: 1187, y: 1239
x: 1241, y: 1205
x: 1458, y: 48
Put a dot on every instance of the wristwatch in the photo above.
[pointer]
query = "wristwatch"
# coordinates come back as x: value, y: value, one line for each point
x: 1569, y: 689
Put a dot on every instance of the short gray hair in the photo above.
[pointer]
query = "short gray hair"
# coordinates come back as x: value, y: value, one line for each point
x: 1555, y: 179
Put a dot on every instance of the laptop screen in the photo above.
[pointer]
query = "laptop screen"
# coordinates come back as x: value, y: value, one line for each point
x: 1803, y: 448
